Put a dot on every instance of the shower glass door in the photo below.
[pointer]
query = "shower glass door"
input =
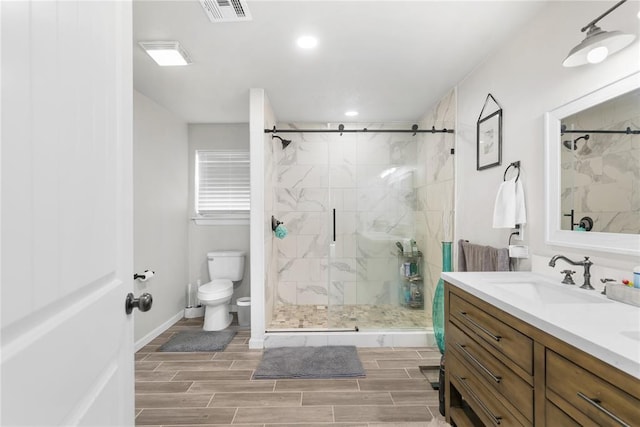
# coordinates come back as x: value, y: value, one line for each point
x: 373, y: 197
x: 342, y: 266
x: 346, y: 201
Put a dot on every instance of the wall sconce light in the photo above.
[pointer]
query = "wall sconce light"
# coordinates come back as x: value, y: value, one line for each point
x: 598, y: 44
x: 166, y: 53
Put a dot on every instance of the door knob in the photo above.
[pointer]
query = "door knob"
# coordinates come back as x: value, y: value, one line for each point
x: 143, y: 303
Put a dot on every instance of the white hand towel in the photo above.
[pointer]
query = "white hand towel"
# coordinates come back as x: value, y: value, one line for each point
x: 509, y: 208
x: 521, y: 213
x: 504, y: 210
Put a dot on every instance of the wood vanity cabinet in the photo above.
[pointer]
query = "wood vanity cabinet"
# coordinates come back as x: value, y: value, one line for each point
x: 500, y: 370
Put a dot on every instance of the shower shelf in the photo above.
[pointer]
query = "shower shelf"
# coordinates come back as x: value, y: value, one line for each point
x: 411, y: 287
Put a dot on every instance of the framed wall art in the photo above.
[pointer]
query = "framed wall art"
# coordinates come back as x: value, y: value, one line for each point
x: 489, y: 136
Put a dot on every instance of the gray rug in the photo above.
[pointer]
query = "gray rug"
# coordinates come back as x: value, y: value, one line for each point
x: 310, y: 362
x: 198, y: 341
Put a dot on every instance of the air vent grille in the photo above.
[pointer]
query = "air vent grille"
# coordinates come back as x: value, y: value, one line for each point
x: 226, y: 10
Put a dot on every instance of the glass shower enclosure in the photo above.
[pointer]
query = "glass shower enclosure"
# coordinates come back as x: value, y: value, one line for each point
x: 349, y: 202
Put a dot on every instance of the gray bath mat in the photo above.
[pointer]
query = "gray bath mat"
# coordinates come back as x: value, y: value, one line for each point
x: 309, y: 362
x: 198, y: 341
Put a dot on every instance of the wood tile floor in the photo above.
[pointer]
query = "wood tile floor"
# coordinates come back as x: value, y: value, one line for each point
x: 216, y: 389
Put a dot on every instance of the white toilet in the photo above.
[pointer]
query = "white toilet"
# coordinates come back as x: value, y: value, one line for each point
x: 225, y: 267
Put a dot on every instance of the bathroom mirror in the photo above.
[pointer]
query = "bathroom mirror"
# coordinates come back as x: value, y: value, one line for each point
x: 592, y: 153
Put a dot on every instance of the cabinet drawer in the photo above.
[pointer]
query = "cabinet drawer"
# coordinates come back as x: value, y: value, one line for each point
x: 555, y: 416
x: 479, y: 397
x: 496, y: 374
x: 513, y: 344
x: 599, y: 400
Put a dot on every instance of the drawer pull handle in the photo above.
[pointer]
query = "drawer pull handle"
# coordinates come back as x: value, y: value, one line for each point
x: 482, y: 328
x: 487, y: 411
x: 596, y: 404
x: 463, y: 349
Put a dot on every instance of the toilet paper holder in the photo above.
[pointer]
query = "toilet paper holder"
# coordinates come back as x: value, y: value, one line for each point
x: 146, y: 275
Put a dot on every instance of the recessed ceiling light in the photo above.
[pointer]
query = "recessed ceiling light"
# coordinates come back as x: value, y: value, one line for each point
x: 166, y: 53
x: 351, y: 113
x: 307, y: 42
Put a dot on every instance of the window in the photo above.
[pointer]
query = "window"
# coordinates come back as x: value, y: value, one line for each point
x: 222, y: 189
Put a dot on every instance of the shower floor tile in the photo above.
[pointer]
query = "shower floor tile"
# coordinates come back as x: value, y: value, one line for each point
x: 348, y: 317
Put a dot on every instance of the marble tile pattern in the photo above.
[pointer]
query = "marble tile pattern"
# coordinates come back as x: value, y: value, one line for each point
x: 216, y: 388
x: 271, y: 152
x: 601, y: 178
x: 369, y: 178
x: 434, y: 215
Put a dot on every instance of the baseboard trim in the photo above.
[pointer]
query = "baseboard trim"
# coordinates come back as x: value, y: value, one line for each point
x: 256, y: 343
x: 157, y: 331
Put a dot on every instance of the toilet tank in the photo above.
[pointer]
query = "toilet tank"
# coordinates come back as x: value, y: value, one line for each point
x: 226, y: 265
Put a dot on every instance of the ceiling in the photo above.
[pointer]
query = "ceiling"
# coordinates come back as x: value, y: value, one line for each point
x: 389, y: 60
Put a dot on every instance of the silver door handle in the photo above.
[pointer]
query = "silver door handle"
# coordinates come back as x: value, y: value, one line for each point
x: 143, y: 303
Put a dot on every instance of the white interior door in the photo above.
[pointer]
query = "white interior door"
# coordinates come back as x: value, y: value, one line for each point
x: 66, y: 213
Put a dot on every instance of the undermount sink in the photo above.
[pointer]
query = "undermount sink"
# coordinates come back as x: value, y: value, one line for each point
x: 540, y: 292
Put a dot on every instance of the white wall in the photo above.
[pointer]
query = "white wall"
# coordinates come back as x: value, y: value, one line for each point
x: 207, y: 238
x: 527, y: 78
x: 263, y: 262
x: 160, y: 211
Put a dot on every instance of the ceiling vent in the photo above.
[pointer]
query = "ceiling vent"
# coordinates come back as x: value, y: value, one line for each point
x: 226, y: 10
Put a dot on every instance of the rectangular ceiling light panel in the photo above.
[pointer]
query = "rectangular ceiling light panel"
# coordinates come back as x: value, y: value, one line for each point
x: 166, y: 53
x: 226, y: 10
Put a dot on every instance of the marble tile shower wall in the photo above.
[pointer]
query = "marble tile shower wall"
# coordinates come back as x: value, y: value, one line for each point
x: 369, y: 178
x: 434, y: 213
x: 271, y: 251
x: 600, y: 179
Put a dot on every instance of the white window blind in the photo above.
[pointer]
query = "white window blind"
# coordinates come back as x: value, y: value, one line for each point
x: 222, y: 182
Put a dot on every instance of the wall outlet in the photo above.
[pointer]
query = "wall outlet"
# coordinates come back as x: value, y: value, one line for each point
x: 520, y: 230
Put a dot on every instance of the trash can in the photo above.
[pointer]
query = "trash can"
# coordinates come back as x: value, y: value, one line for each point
x: 244, y: 311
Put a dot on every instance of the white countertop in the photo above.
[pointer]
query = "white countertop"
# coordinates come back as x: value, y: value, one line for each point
x: 588, y: 320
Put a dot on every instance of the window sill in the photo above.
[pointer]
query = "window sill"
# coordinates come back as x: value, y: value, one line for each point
x: 222, y: 219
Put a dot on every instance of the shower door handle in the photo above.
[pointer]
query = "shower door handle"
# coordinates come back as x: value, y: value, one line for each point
x: 334, y: 225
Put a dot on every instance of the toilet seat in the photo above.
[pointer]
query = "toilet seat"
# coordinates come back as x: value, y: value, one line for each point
x: 216, y: 289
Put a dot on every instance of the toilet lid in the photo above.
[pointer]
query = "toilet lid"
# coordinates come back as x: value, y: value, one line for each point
x: 214, y: 287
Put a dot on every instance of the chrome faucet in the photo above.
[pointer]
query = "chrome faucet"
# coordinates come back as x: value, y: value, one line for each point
x: 585, y: 263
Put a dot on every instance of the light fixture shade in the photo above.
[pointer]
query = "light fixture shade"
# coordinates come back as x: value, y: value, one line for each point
x: 612, y: 41
x: 166, y: 53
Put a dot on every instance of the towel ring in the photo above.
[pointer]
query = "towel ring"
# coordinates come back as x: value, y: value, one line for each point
x: 515, y: 165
